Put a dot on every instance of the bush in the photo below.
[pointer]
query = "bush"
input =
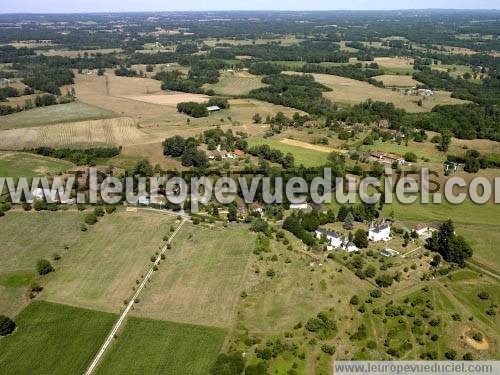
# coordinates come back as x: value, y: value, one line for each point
x: 90, y: 219
x: 7, y: 326
x: 44, y: 267
x: 99, y: 211
x: 328, y: 349
x: 483, y: 295
x: 478, y: 336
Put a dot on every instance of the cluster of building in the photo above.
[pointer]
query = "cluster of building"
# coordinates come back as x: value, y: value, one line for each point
x: 377, y: 231
x: 223, y: 154
x: 386, y: 158
x: 420, y: 92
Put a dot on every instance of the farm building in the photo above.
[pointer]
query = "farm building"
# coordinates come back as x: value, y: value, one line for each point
x: 213, y: 108
x: 386, y: 158
x: 350, y: 247
x: 379, y: 231
x: 333, y: 240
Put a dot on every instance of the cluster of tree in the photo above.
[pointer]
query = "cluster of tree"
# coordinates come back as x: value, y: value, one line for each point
x: 272, y: 155
x: 323, y: 325
x: 193, y: 109
x: 219, y: 102
x: 8, y: 92
x: 227, y: 140
x: 473, y: 161
x: 466, y: 121
x: 123, y: 71
x: 312, y: 52
x: 265, y: 68
x: 46, y: 78
x: 7, y: 325
x: 187, y: 150
x: 78, y: 156
x: 354, y: 71
x: 451, y: 247
x: 296, y: 91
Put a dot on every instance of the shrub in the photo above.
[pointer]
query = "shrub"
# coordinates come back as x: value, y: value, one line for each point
x: 44, y: 267
x: 7, y: 326
x: 478, y: 336
x: 90, y: 219
x: 483, y: 295
x: 328, y: 349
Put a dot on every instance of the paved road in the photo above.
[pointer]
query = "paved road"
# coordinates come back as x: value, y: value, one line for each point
x: 123, y: 316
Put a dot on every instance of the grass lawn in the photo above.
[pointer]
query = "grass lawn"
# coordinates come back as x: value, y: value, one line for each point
x: 20, y: 164
x: 101, y: 269
x: 484, y: 240
x: 70, y: 112
x: 307, y: 157
x: 154, y: 347
x: 27, y: 237
x: 53, y: 339
x: 201, y: 278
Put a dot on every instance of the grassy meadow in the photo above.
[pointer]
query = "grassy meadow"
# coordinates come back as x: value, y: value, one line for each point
x: 147, y: 346
x: 53, y: 339
x: 235, y: 83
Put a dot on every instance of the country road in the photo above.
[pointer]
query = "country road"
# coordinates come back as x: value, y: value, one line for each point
x: 124, y: 314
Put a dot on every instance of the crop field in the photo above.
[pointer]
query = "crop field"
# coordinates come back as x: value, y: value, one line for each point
x: 76, y: 53
x: 20, y: 164
x: 236, y: 83
x: 150, y: 346
x: 395, y: 65
x: 397, y: 80
x: 304, y: 156
x: 63, y: 339
x: 351, y: 91
x: 62, y: 113
x: 100, y: 270
x: 201, y: 278
x: 27, y: 237
x: 116, y: 131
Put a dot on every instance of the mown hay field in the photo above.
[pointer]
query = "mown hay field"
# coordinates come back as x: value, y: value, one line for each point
x: 201, y: 278
x: 54, y: 339
x: 54, y: 114
x: 116, y: 131
x: 397, y: 80
x: 149, y: 346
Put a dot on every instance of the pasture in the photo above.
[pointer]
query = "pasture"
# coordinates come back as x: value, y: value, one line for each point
x: 100, y: 270
x: 116, y: 131
x: 54, y: 339
x: 150, y: 346
x: 235, y: 83
x: 201, y: 278
x: 61, y: 113
x: 21, y: 164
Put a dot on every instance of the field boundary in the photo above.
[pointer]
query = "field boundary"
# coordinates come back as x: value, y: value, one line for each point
x: 123, y: 316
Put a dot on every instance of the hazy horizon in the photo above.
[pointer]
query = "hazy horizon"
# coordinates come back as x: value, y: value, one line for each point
x: 116, y: 6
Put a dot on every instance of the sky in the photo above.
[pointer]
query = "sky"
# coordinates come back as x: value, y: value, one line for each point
x: 58, y: 6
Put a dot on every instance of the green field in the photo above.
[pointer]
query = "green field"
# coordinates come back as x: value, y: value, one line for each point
x: 200, y: 280
x: 101, y: 269
x: 54, y: 114
x: 27, y: 237
x: 53, y: 339
x: 235, y: 84
x: 20, y: 164
x: 153, y: 347
x: 304, y: 156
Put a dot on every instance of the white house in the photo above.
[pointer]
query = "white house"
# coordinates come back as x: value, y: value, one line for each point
x: 333, y: 240
x: 350, y: 247
x: 421, y: 229
x: 300, y: 206
x: 379, y: 231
